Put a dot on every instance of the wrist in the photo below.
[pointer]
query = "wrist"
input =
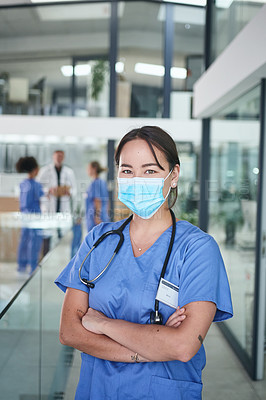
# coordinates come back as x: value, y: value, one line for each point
x: 135, y: 358
x: 104, y: 324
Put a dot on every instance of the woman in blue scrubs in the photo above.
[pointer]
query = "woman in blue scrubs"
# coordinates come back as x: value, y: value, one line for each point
x: 97, y: 197
x: 30, y: 193
x: 124, y: 356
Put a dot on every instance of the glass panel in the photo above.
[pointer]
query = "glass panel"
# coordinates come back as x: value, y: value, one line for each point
x: 56, y: 360
x: 20, y: 344
x: 189, y: 23
x: 229, y: 18
x: 78, y: 153
x: 233, y: 204
x: 187, y: 205
x: 33, y: 363
x: 35, y: 76
x: 140, y: 60
x: 92, y: 88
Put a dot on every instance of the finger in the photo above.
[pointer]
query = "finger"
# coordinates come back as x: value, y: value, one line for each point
x: 176, y: 313
x: 173, y: 321
x: 176, y: 325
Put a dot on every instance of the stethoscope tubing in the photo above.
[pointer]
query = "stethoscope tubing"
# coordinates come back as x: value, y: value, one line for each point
x: 118, y: 232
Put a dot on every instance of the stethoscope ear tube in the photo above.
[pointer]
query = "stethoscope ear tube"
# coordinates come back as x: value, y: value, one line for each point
x: 119, y: 232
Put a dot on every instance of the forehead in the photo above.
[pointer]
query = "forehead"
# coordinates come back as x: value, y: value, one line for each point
x: 138, y: 150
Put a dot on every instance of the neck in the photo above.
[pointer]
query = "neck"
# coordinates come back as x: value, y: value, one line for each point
x: 161, y: 221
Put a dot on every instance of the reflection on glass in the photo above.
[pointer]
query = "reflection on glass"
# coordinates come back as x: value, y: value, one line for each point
x: 233, y: 203
x: 139, y: 90
x: 229, y: 18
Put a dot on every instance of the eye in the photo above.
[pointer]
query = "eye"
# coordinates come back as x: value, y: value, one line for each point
x: 126, y: 171
x: 150, y: 171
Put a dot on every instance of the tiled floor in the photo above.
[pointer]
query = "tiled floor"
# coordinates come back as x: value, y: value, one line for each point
x: 224, y: 377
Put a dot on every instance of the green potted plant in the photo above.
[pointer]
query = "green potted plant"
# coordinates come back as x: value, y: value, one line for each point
x: 98, y: 74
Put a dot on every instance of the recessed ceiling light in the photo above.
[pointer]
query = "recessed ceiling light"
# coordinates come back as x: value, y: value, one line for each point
x: 149, y: 69
x: 80, y: 70
x: 190, y: 2
x: 119, y: 67
x: 158, y: 70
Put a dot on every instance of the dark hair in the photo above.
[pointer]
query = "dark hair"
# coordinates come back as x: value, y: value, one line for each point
x: 26, y: 164
x: 157, y: 137
x: 96, y: 165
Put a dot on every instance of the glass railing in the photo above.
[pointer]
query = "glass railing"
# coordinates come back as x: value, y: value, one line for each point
x: 33, y: 363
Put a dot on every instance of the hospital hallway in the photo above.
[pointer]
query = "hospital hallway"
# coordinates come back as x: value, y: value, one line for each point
x: 24, y: 345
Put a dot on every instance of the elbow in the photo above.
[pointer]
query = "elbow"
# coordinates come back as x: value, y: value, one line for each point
x: 64, y: 338
x: 185, y: 353
x: 185, y: 357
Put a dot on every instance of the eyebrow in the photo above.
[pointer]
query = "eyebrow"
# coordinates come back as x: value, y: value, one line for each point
x: 143, y: 166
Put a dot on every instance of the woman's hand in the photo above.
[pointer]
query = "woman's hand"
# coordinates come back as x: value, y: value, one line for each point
x: 92, y: 321
x: 176, y: 318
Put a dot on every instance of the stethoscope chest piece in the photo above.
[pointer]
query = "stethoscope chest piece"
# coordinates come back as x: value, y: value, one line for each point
x: 156, y: 318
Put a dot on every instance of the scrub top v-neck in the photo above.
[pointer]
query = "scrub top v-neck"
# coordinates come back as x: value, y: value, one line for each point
x: 127, y: 291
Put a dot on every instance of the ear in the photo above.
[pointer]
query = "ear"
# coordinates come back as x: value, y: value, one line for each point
x: 175, y: 176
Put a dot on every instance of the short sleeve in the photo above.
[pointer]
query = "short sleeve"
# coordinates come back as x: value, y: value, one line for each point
x: 203, y: 277
x: 69, y: 277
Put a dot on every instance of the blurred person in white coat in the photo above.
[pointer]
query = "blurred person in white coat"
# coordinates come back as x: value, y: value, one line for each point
x: 60, y: 188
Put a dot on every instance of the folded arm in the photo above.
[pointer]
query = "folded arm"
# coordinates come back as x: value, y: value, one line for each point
x: 157, y: 342
x: 72, y: 332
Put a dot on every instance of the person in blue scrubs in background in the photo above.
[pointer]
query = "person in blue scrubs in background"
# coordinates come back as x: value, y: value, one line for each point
x: 30, y: 194
x: 124, y: 356
x: 97, y: 200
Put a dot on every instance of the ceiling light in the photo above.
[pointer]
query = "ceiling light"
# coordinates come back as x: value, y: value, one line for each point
x: 158, y: 70
x: 67, y: 70
x: 119, y: 67
x: 80, y: 70
x: 190, y: 2
x: 149, y: 69
x: 178, y: 73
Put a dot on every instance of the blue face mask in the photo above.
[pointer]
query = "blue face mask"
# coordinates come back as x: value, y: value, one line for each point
x: 143, y: 196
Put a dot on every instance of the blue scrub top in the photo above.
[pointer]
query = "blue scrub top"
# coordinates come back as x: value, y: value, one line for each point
x: 30, y: 193
x: 127, y: 291
x: 96, y: 190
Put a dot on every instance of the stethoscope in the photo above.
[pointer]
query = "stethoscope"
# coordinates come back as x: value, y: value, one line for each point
x: 155, y: 316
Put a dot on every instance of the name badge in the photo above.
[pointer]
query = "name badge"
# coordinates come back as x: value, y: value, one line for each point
x: 167, y: 293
